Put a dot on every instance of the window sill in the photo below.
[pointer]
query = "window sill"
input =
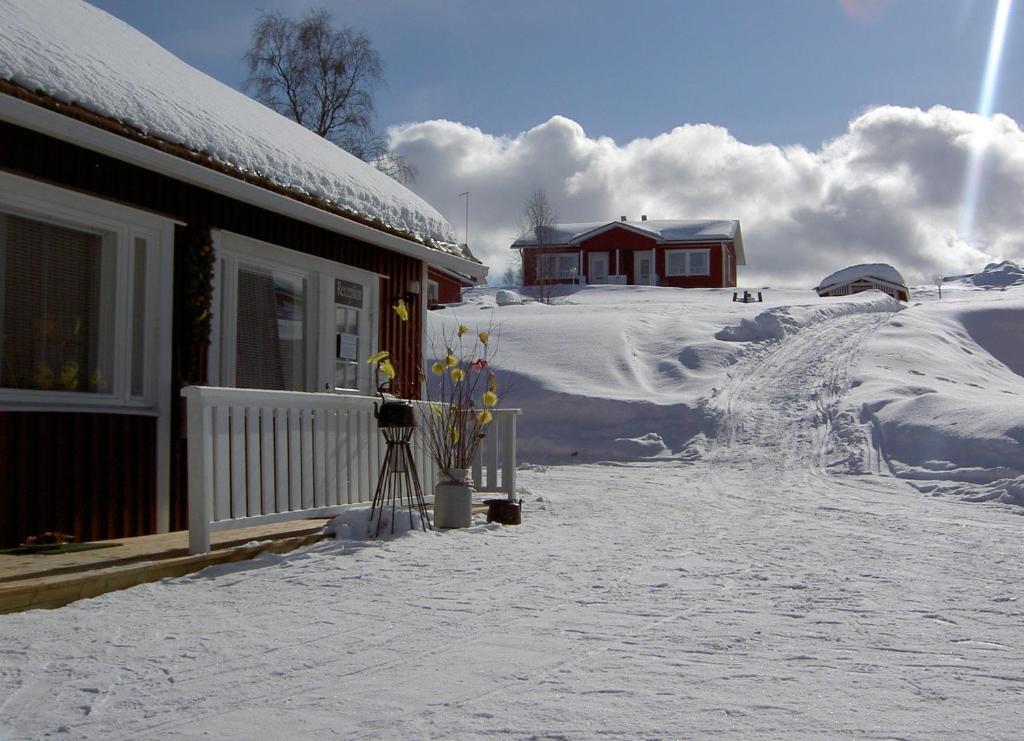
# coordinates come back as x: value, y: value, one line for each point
x: 72, y: 407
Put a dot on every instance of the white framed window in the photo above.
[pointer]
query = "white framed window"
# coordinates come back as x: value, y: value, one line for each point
x: 687, y: 262
x: 290, y: 321
x: 433, y: 292
x: 85, y: 300
x: 558, y: 266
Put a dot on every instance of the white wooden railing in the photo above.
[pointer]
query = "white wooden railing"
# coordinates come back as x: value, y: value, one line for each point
x: 266, y: 456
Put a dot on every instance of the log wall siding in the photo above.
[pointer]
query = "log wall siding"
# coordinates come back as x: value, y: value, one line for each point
x: 28, y: 153
x: 90, y: 475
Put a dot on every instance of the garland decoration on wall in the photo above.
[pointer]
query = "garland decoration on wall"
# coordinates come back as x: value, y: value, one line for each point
x: 196, y: 302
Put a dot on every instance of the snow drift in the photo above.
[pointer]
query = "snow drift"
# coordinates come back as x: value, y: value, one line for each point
x: 631, y: 373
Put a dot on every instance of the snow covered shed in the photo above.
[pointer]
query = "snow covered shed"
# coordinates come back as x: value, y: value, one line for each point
x: 857, y: 278
x: 160, y: 229
x: 684, y: 254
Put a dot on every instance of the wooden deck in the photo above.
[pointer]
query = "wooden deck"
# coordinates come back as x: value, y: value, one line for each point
x: 37, y: 581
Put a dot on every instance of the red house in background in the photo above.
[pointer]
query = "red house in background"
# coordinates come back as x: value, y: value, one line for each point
x: 684, y: 254
x: 444, y: 285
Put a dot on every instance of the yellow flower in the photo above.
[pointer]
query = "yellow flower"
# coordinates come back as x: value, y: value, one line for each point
x: 387, y: 369
x: 453, y: 432
x: 484, y: 417
x: 450, y: 360
x: 457, y: 374
x: 97, y: 381
x: 463, y: 329
x: 437, y: 369
x: 484, y: 336
x: 436, y: 409
x: 490, y: 399
x: 377, y: 357
x: 401, y: 310
x: 69, y: 375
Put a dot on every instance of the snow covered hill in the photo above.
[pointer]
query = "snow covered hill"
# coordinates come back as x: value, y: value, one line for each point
x: 932, y: 391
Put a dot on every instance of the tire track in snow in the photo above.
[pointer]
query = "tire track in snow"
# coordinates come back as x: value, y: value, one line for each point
x: 782, y: 403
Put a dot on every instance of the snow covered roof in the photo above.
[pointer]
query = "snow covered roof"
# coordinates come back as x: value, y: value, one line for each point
x: 995, y: 275
x: 879, y: 270
x: 77, y: 54
x: 661, y: 230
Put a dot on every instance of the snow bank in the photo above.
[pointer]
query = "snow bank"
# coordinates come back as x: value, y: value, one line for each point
x: 778, y: 322
x: 629, y: 373
x: 939, y: 393
x: 995, y: 275
x: 79, y: 54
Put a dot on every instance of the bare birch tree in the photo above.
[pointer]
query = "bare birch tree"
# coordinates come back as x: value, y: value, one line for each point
x: 538, y: 219
x: 322, y: 77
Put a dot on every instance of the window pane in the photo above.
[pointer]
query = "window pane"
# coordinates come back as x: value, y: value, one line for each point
x: 139, y: 319
x: 271, y: 330
x: 58, y: 306
x: 699, y: 262
x: 347, y: 347
x: 567, y: 266
x: 675, y: 263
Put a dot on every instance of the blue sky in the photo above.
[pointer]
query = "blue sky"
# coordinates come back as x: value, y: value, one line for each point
x: 779, y: 71
x: 836, y: 131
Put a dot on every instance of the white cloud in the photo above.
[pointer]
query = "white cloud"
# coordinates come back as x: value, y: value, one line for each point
x: 889, y: 189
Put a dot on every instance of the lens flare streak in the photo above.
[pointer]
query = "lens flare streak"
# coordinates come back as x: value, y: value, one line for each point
x: 986, y: 101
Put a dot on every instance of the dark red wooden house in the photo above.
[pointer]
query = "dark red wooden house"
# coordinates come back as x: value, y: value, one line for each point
x: 684, y: 254
x: 159, y: 229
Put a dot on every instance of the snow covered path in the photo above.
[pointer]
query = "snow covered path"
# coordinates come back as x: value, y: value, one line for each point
x: 746, y: 595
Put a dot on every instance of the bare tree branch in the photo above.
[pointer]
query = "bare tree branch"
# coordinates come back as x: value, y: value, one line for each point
x: 323, y: 78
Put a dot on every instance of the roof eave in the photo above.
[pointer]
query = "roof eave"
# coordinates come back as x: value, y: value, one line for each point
x: 53, y: 123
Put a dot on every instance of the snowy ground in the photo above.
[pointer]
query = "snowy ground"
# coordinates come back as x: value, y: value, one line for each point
x: 767, y: 576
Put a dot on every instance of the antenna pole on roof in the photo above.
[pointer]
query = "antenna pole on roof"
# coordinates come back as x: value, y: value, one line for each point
x: 467, y: 216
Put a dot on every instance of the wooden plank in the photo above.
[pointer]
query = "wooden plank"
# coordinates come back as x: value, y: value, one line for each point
x: 253, y: 469
x: 331, y: 457
x: 268, y: 460
x: 351, y: 455
x: 491, y: 456
x: 281, y: 482
x: 294, y: 459
x: 201, y: 470
x: 238, y: 490
x: 319, y: 458
x: 221, y: 463
x: 509, y: 442
x: 306, y: 417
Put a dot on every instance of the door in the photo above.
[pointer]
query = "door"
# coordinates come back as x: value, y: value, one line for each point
x: 598, y: 267
x: 643, y: 263
x: 345, y: 337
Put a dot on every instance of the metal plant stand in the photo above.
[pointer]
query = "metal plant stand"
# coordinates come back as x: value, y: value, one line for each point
x: 399, y: 483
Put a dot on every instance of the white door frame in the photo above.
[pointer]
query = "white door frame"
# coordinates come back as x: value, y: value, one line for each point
x: 590, y: 267
x: 637, y: 257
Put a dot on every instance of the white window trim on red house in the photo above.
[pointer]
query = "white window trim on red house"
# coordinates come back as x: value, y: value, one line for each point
x: 688, y: 260
x: 566, y: 266
x: 123, y: 225
x: 320, y: 274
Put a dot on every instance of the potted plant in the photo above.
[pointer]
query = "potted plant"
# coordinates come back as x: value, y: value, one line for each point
x: 461, y: 390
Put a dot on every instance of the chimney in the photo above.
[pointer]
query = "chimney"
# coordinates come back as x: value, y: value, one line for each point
x: 643, y: 217
x: 622, y: 218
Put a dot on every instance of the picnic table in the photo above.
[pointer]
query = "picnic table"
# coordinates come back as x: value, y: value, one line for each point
x: 748, y: 295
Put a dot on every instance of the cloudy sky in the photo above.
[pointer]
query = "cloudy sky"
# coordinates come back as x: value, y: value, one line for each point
x: 837, y: 131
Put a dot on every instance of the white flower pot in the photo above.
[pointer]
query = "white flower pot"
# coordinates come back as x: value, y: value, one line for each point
x: 453, y: 501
